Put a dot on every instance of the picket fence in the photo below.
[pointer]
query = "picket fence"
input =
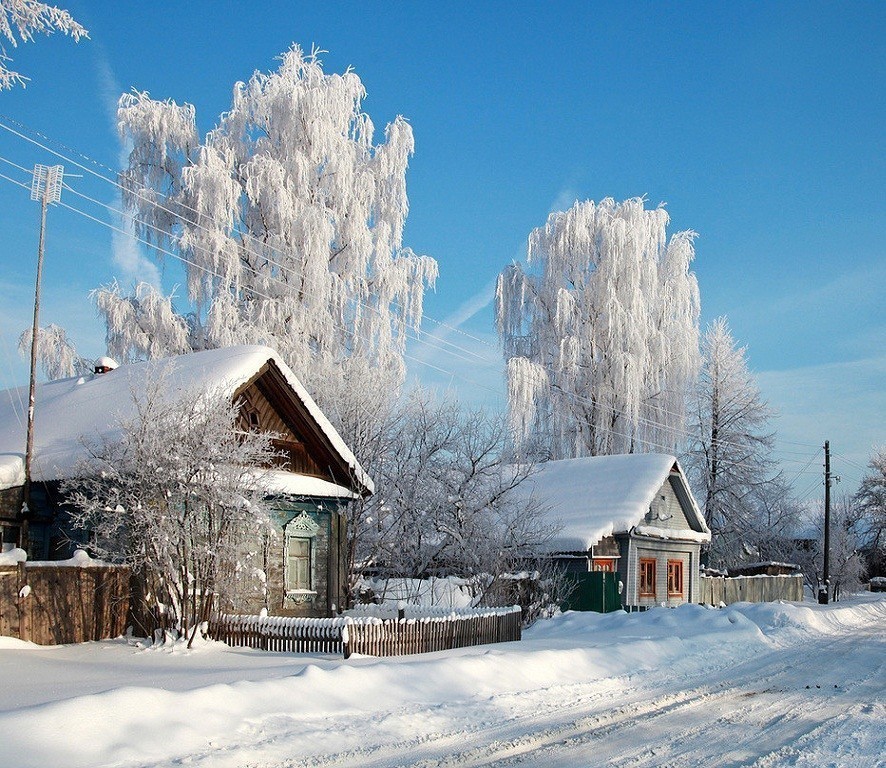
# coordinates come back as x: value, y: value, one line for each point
x: 369, y: 635
x: 280, y: 633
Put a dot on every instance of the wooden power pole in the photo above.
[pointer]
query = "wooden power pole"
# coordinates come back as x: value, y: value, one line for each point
x: 46, y: 186
x: 824, y: 595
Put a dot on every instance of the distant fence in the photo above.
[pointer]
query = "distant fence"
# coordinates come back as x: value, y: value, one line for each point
x: 369, y: 635
x: 54, y: 604
x: 714, y: 590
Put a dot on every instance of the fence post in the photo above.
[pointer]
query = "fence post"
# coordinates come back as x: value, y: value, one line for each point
x: 346, y: 639
x: 24, y: 630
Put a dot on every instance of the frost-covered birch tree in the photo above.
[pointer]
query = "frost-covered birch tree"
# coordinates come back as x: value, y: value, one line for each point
x: 871, y: 500
x: 600, y: 331
x: 25, y: 18
x: 290, y: 220
x: 180, y: 497
x: 729, y: 456
x: 55, y: 352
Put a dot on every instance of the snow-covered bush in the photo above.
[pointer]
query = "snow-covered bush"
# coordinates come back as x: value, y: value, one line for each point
x: 179, y: 497
x: 444, y: 502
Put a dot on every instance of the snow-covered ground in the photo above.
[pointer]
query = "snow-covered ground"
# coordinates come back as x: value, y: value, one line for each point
x: 764, y: 685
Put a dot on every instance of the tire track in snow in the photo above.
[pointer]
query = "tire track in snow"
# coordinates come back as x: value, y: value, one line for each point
x: 762, y: 715
x: 639, y: 719
x: 756, y: 722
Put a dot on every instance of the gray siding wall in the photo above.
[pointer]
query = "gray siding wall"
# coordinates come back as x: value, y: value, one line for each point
x: 661, y: 550
x: 666, y: 510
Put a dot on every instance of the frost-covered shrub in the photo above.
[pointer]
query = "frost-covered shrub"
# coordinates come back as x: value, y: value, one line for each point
x: 178, y: 496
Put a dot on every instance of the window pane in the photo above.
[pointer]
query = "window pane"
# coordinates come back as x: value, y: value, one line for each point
x: 298, y: 563
x: 647, y: 577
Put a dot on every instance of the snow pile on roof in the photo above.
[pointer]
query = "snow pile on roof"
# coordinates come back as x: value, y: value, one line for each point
x: 597, y: 496
x: 279, y: 481
x: 70, y: 410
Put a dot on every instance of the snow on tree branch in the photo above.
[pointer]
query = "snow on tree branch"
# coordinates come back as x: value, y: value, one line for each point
x: 600, y: 331
x: 180, y: 496
x: 27, y: 17
x: 729, y: 456
x: 55, y: 353
x: 290, y: 219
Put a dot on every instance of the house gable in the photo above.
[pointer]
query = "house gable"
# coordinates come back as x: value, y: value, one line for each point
x: 267, y: 405
x: 270, y: 404
x: 671, y: 508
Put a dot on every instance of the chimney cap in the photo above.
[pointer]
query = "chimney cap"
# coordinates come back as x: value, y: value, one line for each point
x: 105, y: 364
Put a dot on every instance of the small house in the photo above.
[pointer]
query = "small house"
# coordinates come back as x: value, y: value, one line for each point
x: 316, y: 477
x: 632, y: 515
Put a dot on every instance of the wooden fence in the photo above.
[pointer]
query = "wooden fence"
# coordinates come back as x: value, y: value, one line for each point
x: 280, y: 633
x: 369, y: 635
x: 54, y: 604
x: 714, y: 590
x: 399, y: 637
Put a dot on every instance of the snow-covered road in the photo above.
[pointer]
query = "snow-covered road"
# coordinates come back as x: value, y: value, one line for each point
x: 765, y: 685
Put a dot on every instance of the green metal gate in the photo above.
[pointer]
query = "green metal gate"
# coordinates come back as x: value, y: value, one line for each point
x: 594, y: 591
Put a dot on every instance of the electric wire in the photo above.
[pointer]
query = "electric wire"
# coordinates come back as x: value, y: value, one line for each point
x: 115, y: 183
x: 637, y: 439
x: 648, y: 422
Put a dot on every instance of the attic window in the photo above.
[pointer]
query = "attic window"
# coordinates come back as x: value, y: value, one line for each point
x: 253, y: 419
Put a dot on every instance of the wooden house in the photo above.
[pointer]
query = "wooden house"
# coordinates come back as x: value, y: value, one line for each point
x: 633, y: 515
x: 318, y: 474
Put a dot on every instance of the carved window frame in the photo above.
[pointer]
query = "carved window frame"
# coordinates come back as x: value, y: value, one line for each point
x: 675, y: 578
x: 300, y: 529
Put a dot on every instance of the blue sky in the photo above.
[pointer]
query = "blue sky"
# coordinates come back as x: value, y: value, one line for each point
x: 760, y: 125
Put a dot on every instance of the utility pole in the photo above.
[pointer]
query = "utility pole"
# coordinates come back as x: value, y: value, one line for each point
x: 46, y: 186
x: 824, y: 594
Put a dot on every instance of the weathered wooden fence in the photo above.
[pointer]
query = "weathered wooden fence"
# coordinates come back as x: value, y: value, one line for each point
x: 54, y: 604
x: 714, y: 590
x: 399, y: 637
x: 369, y: 635
x: 280, y: 633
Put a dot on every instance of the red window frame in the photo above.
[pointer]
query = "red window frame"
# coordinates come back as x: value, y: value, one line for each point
x: 675, y: 578
x: 646, y: 581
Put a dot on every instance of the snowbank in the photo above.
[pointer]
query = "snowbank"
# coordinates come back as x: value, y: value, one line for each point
x: 224, y: 707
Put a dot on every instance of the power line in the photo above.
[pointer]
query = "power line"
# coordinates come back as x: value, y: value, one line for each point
x: 291, y: 270
x: 647, y: 422
x: 203, y: 268
x: 156, y: 204
x: 640, y: 440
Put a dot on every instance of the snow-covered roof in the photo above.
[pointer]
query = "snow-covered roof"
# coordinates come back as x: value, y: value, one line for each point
x: 68, y: 410
x: 600, y: 495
